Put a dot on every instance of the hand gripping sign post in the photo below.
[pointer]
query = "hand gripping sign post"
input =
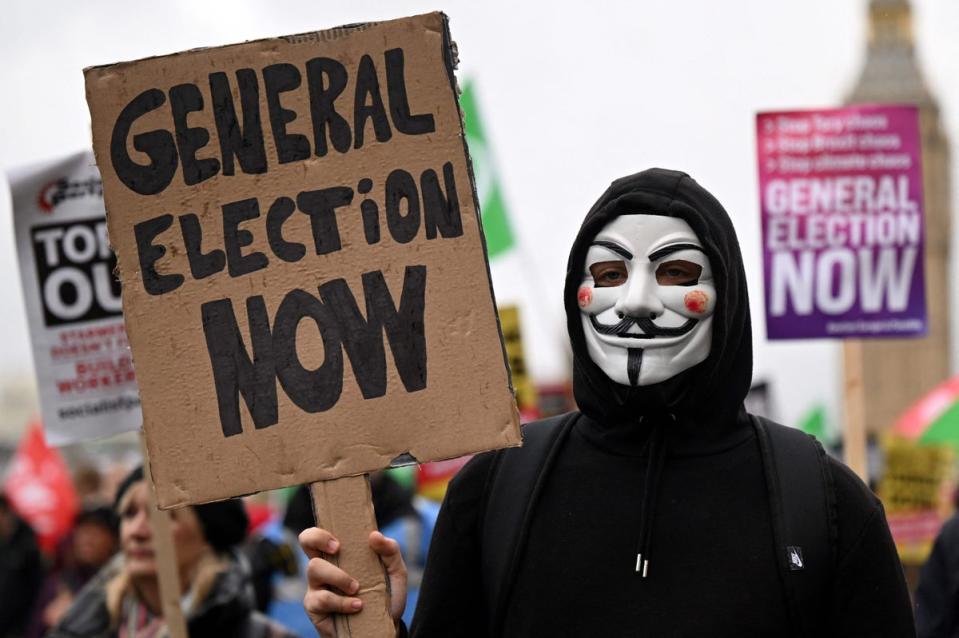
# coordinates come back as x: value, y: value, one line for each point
x: 304, y: 278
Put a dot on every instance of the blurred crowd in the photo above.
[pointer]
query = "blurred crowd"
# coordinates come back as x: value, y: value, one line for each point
x: 240, y: 566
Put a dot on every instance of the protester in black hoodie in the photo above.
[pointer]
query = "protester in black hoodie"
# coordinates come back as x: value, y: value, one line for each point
x: 654, y: 516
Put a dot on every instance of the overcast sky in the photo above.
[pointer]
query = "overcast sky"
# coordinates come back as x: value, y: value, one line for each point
x: 572, y: 97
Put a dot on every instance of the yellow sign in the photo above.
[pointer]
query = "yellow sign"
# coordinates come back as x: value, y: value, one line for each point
x: 916, y: 492
x: 513, y: 340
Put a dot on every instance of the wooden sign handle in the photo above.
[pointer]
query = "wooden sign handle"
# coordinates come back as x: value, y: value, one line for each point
x: 344, y: 507
x: 165, y: 552
x: 854, y: 426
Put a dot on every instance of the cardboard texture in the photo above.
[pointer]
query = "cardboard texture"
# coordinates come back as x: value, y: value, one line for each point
x: 305, y: 284
x: 345, y: 507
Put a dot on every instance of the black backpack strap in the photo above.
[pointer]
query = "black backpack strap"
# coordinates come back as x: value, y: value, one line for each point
x: 515, y: 481
x: 802, y: 506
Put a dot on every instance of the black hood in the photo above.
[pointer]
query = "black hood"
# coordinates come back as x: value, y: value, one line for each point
x: 707, y: 400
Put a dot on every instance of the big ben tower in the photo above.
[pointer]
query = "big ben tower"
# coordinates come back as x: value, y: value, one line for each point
x: 895, y: 372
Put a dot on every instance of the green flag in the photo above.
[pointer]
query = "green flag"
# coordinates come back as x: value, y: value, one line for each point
x: 815, y: 423
x: 499, y: 235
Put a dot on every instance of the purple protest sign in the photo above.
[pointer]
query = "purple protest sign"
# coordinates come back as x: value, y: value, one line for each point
x: 841, y: 199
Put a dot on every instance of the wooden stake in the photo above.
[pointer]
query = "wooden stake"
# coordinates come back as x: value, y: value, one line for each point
x: 345, y: 507
x: 854, y: 421
x: 164, y: 551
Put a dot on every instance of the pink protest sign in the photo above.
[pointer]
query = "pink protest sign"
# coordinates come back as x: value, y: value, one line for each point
x: 841, y: 199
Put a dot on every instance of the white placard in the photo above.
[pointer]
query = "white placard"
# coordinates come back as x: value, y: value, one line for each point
x: 84, y: 370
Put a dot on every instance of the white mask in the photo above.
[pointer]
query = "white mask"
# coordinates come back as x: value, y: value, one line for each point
x: 647, y: 299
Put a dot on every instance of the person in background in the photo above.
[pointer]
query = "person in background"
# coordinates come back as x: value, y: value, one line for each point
x: 392, y: 503
x: 271, y: 554
x: 88, y: 482
x: 937, y: 596
x: 398, y: 515
x: 123, y: 600
x: 91, y: 544
x: 21, y: 571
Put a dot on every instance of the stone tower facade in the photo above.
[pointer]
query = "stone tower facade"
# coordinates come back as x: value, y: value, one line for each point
x: 895, y: 372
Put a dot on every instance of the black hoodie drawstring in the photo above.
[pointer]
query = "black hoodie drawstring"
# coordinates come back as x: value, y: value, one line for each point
x: 654, y: 470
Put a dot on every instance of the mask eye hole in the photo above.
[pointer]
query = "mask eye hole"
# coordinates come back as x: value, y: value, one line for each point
x: 607, y: 274
x: 678, y: 272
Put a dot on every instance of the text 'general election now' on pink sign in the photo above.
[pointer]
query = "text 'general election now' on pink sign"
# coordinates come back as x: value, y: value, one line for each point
x: 841, y: 200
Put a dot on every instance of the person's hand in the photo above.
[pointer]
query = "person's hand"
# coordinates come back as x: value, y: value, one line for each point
x: 330, y: 590
x: 54, y: 611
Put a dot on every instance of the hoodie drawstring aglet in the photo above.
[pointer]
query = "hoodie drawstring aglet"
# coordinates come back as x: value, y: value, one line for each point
x: 641, y: 565
x: 654, y: 471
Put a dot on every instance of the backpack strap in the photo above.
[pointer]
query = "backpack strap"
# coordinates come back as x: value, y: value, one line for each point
x: 514, y: 484
x: 802, y: 507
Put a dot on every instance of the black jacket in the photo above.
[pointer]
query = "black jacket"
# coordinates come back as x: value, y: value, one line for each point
x: 709, y: 539
x: 937, y: 597
x: 21, y: 574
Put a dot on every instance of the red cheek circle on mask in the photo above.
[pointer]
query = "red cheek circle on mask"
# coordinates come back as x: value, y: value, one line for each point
x: 696, y: 301
x: 584, y: 296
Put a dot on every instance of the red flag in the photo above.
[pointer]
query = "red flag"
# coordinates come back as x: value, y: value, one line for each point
x: 40, y: 489
x: 432, y: 479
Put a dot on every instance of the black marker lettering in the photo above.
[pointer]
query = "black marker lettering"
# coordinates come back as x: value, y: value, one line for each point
x: 399, y: 102
x: 405, y: 328
x: 149, y: 253
x: 235, y: 373
x: 399, y: 186
x: 246, y: 142
x: 311, y: 390
x: 440, y: 212
x: 236, y: 238
x: 279, y: 212
x: 201, y: 265
x: 371, y: 221
x: 280, y: 78
x: 368, y: 90
x: 322, y: 109
x: 158, y: 145
x: 363, y: 338
x: 321, y: 206
x: 186, y: 99
x: 370, y: 212
x: 341, y: 327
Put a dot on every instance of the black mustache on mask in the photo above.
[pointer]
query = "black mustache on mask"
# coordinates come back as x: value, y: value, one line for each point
x: 650, y: 329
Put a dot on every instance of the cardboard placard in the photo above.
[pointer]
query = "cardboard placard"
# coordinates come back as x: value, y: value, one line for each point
x: 85, y: 376
x: 842, y: 216
x: 304, y: 278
